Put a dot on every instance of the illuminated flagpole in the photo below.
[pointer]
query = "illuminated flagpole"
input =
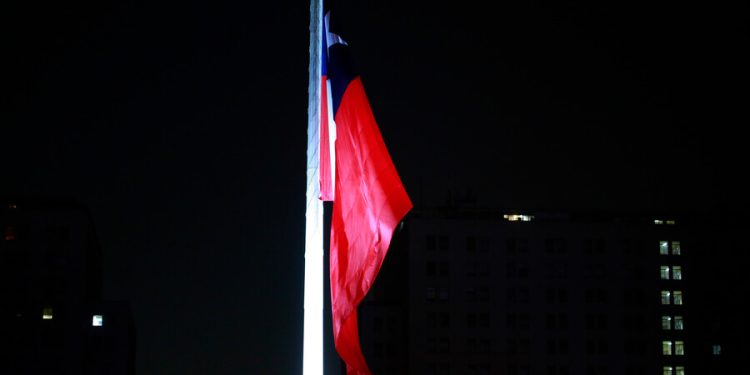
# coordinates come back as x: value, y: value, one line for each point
x: 312, y: 353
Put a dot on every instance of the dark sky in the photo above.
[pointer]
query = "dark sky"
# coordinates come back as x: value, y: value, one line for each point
x: 182, y: 125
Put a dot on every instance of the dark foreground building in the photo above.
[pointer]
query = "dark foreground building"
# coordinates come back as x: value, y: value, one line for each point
x: 53, y: 320
x: 484, y: 291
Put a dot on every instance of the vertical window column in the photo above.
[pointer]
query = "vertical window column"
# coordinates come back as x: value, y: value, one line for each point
x: 671, y: 296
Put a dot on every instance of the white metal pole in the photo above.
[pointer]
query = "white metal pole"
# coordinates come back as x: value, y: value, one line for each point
x: 312, y: 353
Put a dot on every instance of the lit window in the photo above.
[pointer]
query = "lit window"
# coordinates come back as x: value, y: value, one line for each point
x: 678, y: 323
x: 97, y: 321
x: 47, y: 313
x: 666, y: 347
x: 517, y: 217
x: 660, y: 221
x: 663, y: 247
x: 679, y: 347
x: 665, y: 297
x: 680, y: 370
x: 676, y: 248
x: 667, y: 370
x: 716, y: 349
x: 664, y: 272
x: 676, y: 273
x: 677, y: 299
x: 666, y: 322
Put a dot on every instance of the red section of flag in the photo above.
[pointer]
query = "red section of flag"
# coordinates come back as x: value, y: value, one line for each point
x: 370, y: 202
x: 326, y: 181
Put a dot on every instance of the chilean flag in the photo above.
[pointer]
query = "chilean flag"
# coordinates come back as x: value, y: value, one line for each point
x: 327, y: 131
x: 369, y: 199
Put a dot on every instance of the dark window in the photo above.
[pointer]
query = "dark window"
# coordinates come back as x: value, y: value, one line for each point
x: 550, y: 321
x: 523, y: 295
x: 551, y: 346
x: 511, y: 271
x: 484, y: 320
x: 471, y: 243
x: 431, y: 243
x: 444, y: 243
x: 562, y: 321
x: 445, y: 320
x: 511, y: 295
x: 603, y: 347
x: 484, y: 345
x: 523, y: 271
x: 511, y: 245
x: 391, y: 323
x: 431, y: 321
x: 590, y: 347
x: 444, y: 269
x: 523, y: 320
x: 549, y: 296
x: 484, y: 294
x: 517, y: 245
x: 444, y: 345
x: 511, y: 320
x: 601, y: 322
x: 563, y: 346
x: 555, y: 246
x: 430, y: 268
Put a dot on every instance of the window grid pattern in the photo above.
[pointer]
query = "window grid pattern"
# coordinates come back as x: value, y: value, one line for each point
x: 672, y: 275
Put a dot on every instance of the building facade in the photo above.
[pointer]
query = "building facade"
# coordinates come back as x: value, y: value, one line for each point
x: 53, y: 319
x: 483, y: 291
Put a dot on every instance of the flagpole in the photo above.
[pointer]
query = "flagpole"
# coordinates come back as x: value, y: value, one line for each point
x: 312, y: 352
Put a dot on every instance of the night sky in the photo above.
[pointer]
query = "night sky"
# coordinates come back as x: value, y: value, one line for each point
x: 182, y: 126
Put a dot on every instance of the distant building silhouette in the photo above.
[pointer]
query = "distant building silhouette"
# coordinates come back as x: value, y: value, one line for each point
x: 53, y: 319
x: 486, y: 291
